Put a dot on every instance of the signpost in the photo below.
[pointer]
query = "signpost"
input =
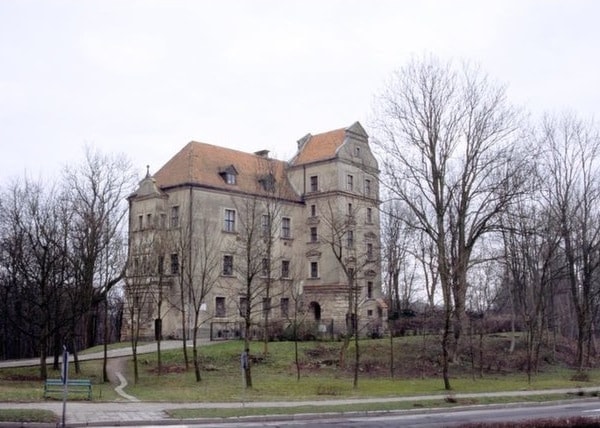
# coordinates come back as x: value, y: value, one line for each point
x: 64, y: 376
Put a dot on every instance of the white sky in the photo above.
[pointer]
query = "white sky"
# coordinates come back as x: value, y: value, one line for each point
x: 146, y: 77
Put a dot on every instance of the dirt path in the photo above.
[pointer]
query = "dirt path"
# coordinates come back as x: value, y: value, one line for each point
x: 114, y: 366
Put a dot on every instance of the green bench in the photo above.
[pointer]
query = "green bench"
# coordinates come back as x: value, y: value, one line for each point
x: 73, y: 385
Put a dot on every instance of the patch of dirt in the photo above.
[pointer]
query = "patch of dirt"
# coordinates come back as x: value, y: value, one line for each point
x: 168, y: 368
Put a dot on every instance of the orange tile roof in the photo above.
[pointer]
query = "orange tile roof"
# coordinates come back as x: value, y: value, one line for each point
x: 201, y: 164
x: 320, y: 147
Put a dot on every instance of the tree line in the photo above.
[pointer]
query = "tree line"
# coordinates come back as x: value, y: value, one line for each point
x: 486, y: 212
x: 62, y: 250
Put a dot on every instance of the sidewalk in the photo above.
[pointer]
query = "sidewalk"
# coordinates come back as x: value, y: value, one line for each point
x: 129, y: 413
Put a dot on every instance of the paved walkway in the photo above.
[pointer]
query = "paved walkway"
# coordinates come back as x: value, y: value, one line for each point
x: 131, y: 411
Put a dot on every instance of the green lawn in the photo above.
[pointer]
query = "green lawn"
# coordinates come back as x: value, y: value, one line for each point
x: 274, y: 379
x: 274, y: 376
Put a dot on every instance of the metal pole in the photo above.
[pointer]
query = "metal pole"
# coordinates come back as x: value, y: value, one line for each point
x: 65, y: 378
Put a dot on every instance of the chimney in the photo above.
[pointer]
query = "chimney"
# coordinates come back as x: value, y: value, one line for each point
x: 262, y: 153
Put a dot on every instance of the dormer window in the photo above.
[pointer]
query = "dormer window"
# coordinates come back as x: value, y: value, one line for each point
x: 229, y: 174
x: 267, y: 182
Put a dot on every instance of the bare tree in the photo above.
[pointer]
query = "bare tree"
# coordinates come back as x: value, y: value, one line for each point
x: 448, y: 135
x: 249, y: 248
x: 572, y: 193
x: 138, y: 294
x: 533, y: 264
x: 35, y: 245
x: 97, y: 189
x: 340, y: 234
x: 207, y: 273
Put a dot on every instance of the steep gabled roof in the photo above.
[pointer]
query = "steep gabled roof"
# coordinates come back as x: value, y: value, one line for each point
x: 320, y: 147
x: 203, y: 165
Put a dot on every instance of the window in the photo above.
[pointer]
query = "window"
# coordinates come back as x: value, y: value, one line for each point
x: 369, y: 289
x: 220, y: 307
x: 369, y: 251
x: 163, y: 220
x: 313, y: 210
x: 175, y: 216
x: 285, y: 268
x: 314, y: 269
x: 229, y: 221
x: 349, y: 209
x: 243, y: 306
x: 350, y: 238
x: 140, y: 222
x: 314, y: 237
x: 228, y: 265
x: 314, y: 183
x: 369, y: 215
x: 265, y: 267
x: 229, y: 178
x: 265, y: 224
x: 285, y: 307
x: 266, y: 303
x: 174, y: 264
x: 286, y: 231
x: 357, y: 151
x: 350, y: 183
x: 369, y: 312
x: 367, y: 187
x: 149, y: 220
x: 161, y: 265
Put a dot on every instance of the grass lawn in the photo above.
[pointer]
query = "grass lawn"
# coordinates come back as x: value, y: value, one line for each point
x: 417, y: 372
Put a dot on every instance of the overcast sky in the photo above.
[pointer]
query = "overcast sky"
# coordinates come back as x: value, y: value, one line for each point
x: 146, y: 77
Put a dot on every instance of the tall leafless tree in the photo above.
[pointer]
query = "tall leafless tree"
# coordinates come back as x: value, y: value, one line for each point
x: 207, y: 273
x: 448, y: 133
x: 572, y: 193
x: 97, y: 188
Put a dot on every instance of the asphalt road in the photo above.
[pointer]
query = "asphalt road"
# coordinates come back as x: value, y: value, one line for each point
x: 513, y: 414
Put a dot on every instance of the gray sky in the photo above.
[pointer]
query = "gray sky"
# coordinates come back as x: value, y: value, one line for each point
x: 146, y: 77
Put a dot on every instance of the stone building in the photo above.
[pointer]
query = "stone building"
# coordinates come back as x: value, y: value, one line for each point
x: 221, y: 234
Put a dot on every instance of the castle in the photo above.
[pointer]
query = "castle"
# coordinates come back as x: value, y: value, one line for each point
x: 217, y: 234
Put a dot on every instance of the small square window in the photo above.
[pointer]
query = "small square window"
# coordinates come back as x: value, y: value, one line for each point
x: 230, y: 178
